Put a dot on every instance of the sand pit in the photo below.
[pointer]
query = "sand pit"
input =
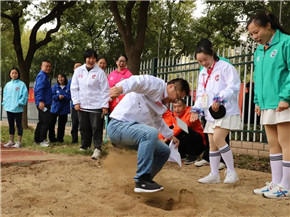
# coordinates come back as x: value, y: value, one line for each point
x: 78, y: 186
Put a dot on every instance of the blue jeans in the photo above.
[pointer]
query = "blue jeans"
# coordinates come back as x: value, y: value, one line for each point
x: 152, y: 153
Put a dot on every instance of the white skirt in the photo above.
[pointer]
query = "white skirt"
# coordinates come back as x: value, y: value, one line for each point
x: 270, y: 116
x: 232, y: 122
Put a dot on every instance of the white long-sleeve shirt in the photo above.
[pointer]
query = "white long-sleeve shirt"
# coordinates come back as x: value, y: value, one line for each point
x: 90, y: 89
x: 143, y: 102
x: 224, y: 82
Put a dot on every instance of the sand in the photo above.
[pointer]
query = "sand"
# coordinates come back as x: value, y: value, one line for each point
x: 78, y: 186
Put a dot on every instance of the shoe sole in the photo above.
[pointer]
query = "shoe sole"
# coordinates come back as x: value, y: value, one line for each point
x: 231, y: 182
x: 216, y: 182
x: 188, y: 163
x: 259, y: 194
x: 201, y: 165
x: 279, y: 198
x: 141, y: 190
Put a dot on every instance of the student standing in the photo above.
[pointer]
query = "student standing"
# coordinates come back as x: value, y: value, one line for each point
x: 60, y: 107
x: 272, y: 69
x: 43, y: 100
x: 137, y: 119
x: 218, y: 84
x: 102, y: 63
x: 15, y: 97
x: 121, y: 73
x: 90, y: 96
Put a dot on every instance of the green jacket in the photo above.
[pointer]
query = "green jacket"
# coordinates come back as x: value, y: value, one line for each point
x: 272, y: 72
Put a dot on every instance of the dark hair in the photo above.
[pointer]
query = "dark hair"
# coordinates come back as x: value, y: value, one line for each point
x: 182, y: 101
x: 45, y: 61
x: 122, y: 55
x: 205, y: 46
x: 15, y: 68
x: 64, y: 76
x: 89, y: 53
x: 102, y: 57
x: 180, y: 84
x: 262, y: 19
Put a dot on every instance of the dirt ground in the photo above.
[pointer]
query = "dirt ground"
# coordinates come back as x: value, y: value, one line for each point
x: 78, y: 186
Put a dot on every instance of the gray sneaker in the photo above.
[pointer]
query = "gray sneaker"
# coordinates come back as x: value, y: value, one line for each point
x: 9, y: 144
x: 44, y: 143
x: 17, y: 145
x: 96, y: 154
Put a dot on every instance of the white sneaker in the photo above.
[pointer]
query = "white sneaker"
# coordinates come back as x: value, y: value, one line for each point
x: 277, y: 192
x: 269, y: 186
x: 96, y: 154
x: 9, y: 144
x: 231, y: 177
x: 222, y: 166
x: 210, y: 179
x: 201, y: 163
x: 82, y: 149
x: 44, y: 143
x: 17, y: 145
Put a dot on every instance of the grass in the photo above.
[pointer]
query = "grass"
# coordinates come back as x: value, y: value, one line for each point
x: 249, y: 162
x: 241, y: 161
x: 65, y: 148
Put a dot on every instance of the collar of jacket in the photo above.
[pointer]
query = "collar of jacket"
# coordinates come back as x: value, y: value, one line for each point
x: 275, y: 40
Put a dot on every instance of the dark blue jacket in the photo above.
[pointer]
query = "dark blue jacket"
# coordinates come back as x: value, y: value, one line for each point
x: 60, y: 106
x: 42, y: 89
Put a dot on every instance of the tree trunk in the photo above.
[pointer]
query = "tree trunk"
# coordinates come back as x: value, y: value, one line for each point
x: 133, y: 47
x: 134, y: 61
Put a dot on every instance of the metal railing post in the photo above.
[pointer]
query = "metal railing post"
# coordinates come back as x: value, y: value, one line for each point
x: 154, y: 66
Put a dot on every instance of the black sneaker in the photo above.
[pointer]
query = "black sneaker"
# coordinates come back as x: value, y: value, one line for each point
x: 147, y: 185
x: 190, y: 160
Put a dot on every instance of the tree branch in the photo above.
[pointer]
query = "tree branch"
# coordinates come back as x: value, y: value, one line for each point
x: 6, y: 16
x: 55, y: 13
x: 115, y: 11
x: 128, y: 15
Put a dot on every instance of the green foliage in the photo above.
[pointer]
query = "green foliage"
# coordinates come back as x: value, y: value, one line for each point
x: 90, y: 24
x: 169, y: 26
x: 8, y: 57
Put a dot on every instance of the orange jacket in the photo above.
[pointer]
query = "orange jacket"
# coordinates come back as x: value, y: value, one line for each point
x: 185, y: 116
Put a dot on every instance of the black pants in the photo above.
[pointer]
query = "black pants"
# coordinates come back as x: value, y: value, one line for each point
x: 191, y: 143
x: 91, y: 128
x: 75, y: 125
x: 12, y: 118
x: 206, y: 151
x: 62, y: 119
x: 42, y: 125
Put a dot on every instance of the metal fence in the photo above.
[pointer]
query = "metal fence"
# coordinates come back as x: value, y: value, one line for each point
x: 186, y: 67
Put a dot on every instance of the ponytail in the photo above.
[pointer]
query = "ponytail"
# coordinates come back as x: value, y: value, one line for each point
x: 262, y: 19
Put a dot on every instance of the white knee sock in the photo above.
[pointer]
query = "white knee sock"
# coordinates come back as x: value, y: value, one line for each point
x: 276, y: 168
x: 227, y: 155
x: 286, y: 175
x: 214, y: 159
